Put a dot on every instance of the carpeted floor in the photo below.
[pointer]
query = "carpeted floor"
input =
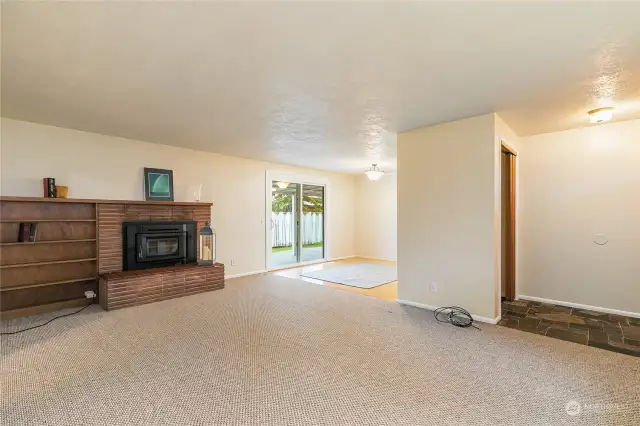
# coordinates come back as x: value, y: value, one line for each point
x: 269, y: 350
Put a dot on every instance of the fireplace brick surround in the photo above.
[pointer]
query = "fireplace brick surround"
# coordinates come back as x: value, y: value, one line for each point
x: 131, y: 288
x: 111, y: 217
x: 120, y: 289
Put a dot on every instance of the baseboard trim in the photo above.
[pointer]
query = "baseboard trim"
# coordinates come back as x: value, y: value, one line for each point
x: 390, y: 259
x: 579, y: 306
x: 340, y: 258
x: 244, y: 274
x: 433, y: 308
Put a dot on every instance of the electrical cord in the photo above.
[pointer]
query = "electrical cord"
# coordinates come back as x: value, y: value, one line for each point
x: 45, y: 323
x: 455, y: 315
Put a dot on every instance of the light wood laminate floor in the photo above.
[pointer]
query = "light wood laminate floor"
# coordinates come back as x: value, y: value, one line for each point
x: 385, y: 292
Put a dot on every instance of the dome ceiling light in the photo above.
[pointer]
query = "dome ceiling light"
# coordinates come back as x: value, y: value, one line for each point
x: 600, y: 115
x: 374, y: 173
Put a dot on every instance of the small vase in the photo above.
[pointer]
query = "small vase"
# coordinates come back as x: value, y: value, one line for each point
x: 198, y: 193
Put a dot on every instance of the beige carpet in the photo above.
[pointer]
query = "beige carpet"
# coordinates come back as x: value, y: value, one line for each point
x: 275, y: 351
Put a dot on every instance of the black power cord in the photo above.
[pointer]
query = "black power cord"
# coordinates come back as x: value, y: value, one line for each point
x: 7, y: 333
x: 455, y: 315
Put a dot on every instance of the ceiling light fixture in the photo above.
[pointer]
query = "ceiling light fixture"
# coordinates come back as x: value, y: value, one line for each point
x: 600, y: 115
x: 374, y: 173
x: 282, y: 185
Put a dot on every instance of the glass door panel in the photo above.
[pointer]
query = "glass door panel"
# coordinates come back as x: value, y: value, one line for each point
x: 312, y: 223
x: 285, y: 235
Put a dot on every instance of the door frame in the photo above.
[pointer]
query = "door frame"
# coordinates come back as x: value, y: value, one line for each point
x: 270, y: 176
x: 505, y: 147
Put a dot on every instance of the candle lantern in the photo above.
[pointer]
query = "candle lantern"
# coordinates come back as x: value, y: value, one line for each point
x: 207, y: 245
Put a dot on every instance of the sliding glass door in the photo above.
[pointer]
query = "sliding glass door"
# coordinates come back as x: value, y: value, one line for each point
x: 297, y: 223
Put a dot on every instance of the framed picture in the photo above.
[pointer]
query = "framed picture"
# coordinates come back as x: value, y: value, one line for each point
x: 158, y: 184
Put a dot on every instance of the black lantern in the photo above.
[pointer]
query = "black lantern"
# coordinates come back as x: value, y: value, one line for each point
x: 207, y: 245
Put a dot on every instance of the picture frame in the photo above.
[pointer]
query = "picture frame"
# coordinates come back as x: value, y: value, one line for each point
x: 158, y: 184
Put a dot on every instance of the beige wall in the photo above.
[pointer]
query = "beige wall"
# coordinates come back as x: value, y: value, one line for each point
x: 573, y: 185
x: 447, y: 227
x: 97, y: 166
x: 504, y: 135
x: 376, y: 218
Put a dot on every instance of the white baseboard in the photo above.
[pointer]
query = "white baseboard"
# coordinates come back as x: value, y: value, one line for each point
x: 579, y: 306
x: 340, y: 258
x: 244, y: 274
x: 433, y: 308
x: 391, y: 259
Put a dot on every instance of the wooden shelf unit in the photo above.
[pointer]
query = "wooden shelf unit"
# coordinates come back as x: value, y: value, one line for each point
x: 55, y: 270
x: 76, y: 240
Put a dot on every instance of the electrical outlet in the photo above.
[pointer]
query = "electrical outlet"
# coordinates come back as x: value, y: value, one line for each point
x: 90, y: 294
x: 433, y: 287
x: 233, y: 262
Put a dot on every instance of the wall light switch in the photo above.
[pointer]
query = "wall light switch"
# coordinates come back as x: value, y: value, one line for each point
x: 433, y: 287
x: 233, y: 262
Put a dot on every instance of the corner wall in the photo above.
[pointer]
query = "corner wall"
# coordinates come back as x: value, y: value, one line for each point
x: 575, y: 185
x: 98, y: 166
x: 376, y: 218
x: 447, y: 228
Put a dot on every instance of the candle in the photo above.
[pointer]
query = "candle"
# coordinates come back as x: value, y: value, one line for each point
x: 206, y: 253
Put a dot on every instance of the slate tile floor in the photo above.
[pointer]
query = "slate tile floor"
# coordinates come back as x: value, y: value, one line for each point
x: 606, y: 331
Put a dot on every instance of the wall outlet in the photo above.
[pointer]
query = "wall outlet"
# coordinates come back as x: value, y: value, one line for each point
x: 233, y: 262
x: 433, y: 287
x: 90, y: 294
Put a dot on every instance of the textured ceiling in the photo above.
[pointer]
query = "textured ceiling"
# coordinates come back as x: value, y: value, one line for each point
x: 324, y: 85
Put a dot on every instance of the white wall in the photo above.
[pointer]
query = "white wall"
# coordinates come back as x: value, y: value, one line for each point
x: 376, y: 218
x: 447, y: 227
x: 98, y: 166
x: 573, y: 185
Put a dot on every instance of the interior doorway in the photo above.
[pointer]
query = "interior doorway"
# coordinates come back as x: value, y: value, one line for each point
x: 508, y: 219
x: 296, y: 224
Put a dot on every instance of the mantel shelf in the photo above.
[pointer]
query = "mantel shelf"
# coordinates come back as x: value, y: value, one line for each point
x: 98, y: 201
x: 44, y: 220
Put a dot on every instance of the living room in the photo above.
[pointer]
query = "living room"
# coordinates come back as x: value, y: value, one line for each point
x: 319, y: 213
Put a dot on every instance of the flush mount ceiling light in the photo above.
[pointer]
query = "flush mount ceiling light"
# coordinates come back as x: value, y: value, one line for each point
x: 282, y: 185
x: 600, y: 115
x: 374, y: 173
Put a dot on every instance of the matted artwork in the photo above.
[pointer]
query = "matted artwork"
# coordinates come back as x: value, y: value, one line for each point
x: 158, y: 184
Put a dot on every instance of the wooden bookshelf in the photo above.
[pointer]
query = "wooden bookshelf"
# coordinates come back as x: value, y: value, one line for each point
x: 57, y: 268
x: 76, y: 240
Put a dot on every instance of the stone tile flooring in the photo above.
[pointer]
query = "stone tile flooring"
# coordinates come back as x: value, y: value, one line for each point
x: 606, y: 331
